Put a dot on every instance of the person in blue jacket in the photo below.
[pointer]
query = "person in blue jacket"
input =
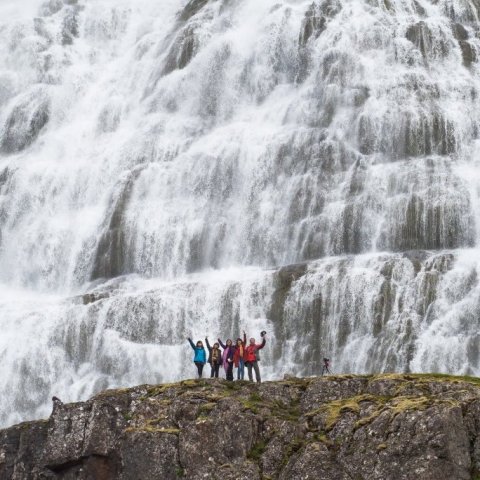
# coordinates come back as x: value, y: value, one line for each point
x: 200, y: 357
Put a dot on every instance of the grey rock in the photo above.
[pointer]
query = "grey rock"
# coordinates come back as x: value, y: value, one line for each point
x: 335, y: 428
x: 29, y: 115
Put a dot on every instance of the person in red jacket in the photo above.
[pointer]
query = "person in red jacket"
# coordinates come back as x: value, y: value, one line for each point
x: 239, y: 356
x: 251, y: 357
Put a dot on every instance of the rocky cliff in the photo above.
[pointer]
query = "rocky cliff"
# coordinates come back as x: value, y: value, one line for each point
x: 333, y: 428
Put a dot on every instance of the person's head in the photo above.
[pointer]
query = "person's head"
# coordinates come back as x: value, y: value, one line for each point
x: 252, y: 341
x: 199, y: 343
x: 229, y: 342
x: 216, y: 345
x: 239, y: 341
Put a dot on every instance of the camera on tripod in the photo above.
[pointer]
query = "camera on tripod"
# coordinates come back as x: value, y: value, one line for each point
x: 326, y: 366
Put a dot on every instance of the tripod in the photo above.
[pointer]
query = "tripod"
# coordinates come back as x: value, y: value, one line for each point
x: 326, y: 367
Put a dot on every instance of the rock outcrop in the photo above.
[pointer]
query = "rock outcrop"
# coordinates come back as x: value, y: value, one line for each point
x: 333, y: 428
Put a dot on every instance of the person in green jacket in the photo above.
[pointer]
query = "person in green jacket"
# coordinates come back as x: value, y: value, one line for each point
x: 200, y: 356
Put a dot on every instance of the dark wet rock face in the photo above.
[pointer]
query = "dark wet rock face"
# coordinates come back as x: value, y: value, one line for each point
x: 283, y: 280
x: 110, y: 259
x: 469, y: 53
x: 88, y: 298
x: 185, y: 44
x: 191, y: 9
x: 333, y: 428
x: 50, y: 7
x: 70, y: 26
x: 25, y: 122
x: 316, y: 18
x: 312, y: 25
x: 182, y: 51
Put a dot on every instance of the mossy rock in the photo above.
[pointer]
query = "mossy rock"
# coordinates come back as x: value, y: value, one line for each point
x: 150, y: 429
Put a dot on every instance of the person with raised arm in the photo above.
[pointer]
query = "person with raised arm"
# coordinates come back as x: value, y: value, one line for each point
x: 228, y: 353
x: 239, y: 356
x: 251, y: 360
x: 214, y: 358
x: 199, y: 358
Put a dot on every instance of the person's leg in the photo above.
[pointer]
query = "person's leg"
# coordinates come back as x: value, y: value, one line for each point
x: 217, y: 368
x: 200, y: 370
x: 230, y: 372
x: 212, y: 370
x: 249, y: 368
x: 257, y: 372
x: 241, y: 369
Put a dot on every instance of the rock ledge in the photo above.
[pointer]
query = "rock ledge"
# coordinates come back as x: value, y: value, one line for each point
x: 332, y: 428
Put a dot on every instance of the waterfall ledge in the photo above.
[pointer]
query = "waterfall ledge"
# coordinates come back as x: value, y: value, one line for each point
x: 386, y: 426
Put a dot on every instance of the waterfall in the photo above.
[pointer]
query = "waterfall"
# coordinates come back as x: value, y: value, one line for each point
x: 200, y: 167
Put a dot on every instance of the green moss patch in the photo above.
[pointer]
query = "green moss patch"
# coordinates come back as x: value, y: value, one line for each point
x: 292, y: 448
x: 333, y: 410
x: 207, y: 407
x: 257, y: 450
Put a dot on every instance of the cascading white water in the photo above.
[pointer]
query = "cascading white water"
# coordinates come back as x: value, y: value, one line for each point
x: 198, y: 167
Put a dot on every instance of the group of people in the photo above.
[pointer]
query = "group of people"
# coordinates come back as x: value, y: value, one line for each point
x: 238, y: 355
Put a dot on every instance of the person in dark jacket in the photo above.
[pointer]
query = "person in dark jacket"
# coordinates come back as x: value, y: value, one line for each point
x: 199, y: 359
x: 228, y: 353
x: 239, y: 356
x: 214, y: 358
x: 251, y: 360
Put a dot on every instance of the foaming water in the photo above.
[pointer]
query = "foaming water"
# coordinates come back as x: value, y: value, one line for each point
x: 134, y: 332
x: 195, y: 167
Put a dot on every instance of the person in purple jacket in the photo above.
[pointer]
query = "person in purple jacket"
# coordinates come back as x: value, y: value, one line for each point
x: 228, y: 353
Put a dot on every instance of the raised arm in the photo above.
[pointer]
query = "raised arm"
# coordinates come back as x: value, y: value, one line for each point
x: 191, y: 343
x: 208, y: 344
x: 244, y: 338
x: 262, y: 344
x: 222, y: 344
